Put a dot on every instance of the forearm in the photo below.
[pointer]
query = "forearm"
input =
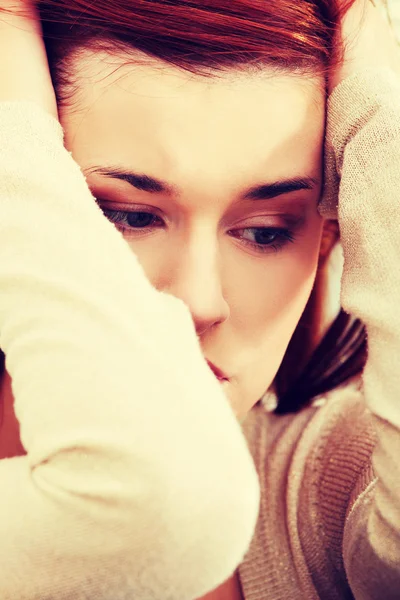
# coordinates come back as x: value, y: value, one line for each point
x: 364, y: 139
x: 24, y: 72
x: 126, y: 478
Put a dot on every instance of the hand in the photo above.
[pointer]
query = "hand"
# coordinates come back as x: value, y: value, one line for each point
x: 24, y: 70
x: 368, y: 39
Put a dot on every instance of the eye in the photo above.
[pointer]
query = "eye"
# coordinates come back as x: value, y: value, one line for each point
x: 264, y: 239
x: 128, y: 222
x: 139, y: 220
x: 136, y: 222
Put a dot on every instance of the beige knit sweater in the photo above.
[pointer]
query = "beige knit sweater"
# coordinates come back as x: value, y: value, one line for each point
x: 329, y: 524
x: 126, y: 491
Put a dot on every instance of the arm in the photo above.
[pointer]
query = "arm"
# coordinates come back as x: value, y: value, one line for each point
x: 363, y: 141
x: 126, y: 490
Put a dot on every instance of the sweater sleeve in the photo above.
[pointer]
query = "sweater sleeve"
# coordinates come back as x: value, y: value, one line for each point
x: 363, y: 147
x: 137, y: 482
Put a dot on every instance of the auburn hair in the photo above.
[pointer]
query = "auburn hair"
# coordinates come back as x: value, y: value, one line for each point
x: 207, y: 37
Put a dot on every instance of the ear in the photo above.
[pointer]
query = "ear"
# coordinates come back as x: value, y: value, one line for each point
x: 330, y: 236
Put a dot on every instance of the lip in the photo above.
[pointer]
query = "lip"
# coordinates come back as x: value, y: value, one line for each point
x: 217, y: 372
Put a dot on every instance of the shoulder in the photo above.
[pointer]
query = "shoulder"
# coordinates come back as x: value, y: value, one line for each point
x: 311, y: 462
x: 335, y: 459
x: 335, y: 430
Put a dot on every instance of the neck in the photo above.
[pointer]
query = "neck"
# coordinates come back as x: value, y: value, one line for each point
x: 10, y: 443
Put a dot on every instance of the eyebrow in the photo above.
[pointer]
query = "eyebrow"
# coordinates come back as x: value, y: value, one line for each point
x: 145, y: 183
x: 273, y: 190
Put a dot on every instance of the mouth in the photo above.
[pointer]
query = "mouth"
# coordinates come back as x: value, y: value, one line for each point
x: 220, y: 375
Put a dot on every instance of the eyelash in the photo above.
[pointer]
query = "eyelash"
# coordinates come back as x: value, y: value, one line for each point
x: 282, y: 237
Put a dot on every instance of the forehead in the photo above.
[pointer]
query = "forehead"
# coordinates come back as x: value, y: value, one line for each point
x: 166, y: 120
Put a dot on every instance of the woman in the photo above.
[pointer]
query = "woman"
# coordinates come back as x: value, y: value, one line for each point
x: 207, y: 155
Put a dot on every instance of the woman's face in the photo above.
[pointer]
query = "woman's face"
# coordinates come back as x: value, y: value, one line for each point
x: 214, y: 184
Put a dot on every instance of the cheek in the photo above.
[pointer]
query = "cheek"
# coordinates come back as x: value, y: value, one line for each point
x: 281, y: 279
x: 270, y: 301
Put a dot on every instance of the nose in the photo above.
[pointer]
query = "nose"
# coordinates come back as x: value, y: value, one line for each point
x: 195, y: 278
